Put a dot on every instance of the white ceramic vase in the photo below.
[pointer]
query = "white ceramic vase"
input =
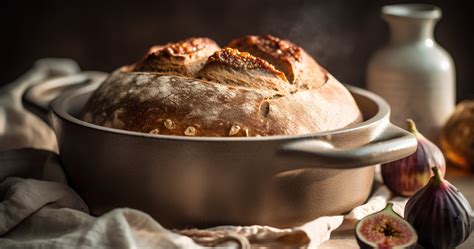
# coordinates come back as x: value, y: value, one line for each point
x: 412, y: 72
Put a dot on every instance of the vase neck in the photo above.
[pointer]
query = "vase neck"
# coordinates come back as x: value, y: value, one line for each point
x: 407, y: 31
x: 411, y: 22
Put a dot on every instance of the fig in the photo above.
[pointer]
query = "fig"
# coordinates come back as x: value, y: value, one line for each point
x: 440, y: 214
x: 407, y: 175
x: 385, y: 229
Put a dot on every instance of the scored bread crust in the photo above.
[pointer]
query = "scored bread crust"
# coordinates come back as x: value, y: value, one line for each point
x: 232, y: 94
x: 231, y: 67
x: 185, y: 57
x: 300, y: 68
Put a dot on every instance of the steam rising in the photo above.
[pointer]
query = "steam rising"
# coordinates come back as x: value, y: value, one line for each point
x: 314, y: 26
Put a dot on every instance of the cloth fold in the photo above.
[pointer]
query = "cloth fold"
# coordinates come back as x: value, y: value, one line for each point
x: 39, y: 210
x: 20, y: 128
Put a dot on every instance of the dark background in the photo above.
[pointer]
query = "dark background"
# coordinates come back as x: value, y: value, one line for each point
x: 103, y: 35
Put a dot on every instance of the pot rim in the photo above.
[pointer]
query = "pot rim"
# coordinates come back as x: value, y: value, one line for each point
x: 57, y: 107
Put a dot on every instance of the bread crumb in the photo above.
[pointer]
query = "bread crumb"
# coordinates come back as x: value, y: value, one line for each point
x: 190, y: 131
x: 169, y: 124
x: 234, y: 130
x: 155, y: 131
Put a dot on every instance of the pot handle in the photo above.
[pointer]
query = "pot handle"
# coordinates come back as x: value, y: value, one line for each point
x: 38, y: 97
x: 392, y: 144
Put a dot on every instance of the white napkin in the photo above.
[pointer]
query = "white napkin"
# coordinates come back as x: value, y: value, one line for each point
x: 19, y: 128
x: 39, y: 210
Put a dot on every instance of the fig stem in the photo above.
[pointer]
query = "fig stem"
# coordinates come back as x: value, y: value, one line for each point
x: 437, y: 174
x: 411, y: 126
x: 389, y: 206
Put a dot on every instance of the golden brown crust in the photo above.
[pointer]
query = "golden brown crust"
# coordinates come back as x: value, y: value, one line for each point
x: 233, y: 94
x: 185, y: 57
x: 190, y: 108
x: 300, y: 68
x: 157, y: 104
x: 278, y: 48
x: 243, y: 60
x: 231, y: 67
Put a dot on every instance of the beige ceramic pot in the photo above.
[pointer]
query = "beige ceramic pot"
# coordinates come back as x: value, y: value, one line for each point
x: 182, y: 181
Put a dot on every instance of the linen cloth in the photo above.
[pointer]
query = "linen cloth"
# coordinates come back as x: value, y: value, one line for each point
x: 39, y: 210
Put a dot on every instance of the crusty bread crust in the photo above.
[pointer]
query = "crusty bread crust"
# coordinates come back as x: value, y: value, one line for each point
x: 299, y: 67
x: 231, y: 95
x: 185, y: 57
x: 231, y: 67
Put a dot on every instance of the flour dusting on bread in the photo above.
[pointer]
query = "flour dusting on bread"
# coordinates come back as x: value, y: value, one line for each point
x: 262, y: 86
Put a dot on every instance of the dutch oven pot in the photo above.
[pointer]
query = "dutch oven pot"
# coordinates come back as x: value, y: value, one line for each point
x: 280, y: 181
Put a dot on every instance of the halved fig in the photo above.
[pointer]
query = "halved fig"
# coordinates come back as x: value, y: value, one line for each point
x: 385, y: 229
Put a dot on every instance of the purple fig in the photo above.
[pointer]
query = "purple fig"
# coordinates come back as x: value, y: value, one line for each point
x: 385, y: 229
x: 409, y: 174
x: 440, y: 214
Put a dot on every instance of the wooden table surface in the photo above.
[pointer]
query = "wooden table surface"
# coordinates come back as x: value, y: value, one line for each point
x: 343, y: 237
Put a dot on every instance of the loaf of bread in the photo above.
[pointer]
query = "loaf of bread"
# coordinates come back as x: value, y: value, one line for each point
x: 255, y: 86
